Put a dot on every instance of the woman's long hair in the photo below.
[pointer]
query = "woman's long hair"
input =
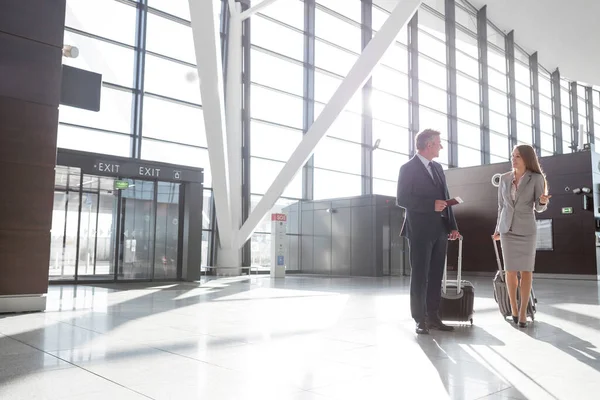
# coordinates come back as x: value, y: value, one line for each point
x: 532, y: 163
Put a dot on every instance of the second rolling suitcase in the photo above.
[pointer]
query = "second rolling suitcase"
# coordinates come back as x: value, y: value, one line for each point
x: 457, y: 296
x: 501, y: 291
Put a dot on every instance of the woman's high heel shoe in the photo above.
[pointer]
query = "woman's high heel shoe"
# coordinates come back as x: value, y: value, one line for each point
x: 522, y: 324
x: 515, y: 319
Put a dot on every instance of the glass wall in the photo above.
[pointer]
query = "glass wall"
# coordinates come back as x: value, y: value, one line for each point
x: 151, y: 106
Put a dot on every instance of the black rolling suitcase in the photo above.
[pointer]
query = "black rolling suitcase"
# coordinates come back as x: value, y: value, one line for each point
x: 457, y: 296
x: 501, y: 291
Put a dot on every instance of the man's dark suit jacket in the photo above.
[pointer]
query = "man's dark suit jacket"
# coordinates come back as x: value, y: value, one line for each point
x: 417, y: 193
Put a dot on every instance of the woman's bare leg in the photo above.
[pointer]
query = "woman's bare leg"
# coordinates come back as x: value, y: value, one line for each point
x: 526, y: 281
x: 512, y: 281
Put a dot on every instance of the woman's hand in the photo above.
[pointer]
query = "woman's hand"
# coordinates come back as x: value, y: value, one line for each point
x: 496, y: 236
x: 544, y: 199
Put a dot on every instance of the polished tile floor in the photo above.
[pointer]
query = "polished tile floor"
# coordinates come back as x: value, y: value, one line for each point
x: 298, y: 338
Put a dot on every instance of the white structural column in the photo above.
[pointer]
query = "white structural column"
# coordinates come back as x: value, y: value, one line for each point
x: 356, y: 78
x: 207, y: 44
x: 230, y: 256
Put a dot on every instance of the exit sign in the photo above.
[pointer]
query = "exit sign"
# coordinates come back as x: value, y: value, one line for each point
x: 566, y: 210
x: 121, y: 184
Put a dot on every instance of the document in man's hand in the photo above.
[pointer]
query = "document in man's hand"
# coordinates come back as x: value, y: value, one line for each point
x: 454, y: 201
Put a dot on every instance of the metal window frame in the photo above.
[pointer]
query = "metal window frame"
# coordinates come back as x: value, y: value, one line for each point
x: 556, y: 112
x: 139, y: 78
x: 452, y: 111
x: 484, y: 88
x: 413, y: 82
x: 535, y: 103
x: 574, y: 108
x: 509, y: 44
x: 589, y: 103
x: 367, y: 119
x: 309, y: 93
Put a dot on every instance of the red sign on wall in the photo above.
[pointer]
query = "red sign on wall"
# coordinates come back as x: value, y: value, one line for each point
x: 278, y: 217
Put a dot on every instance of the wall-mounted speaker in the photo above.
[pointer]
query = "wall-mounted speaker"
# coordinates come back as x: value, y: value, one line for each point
x: 496, y: 180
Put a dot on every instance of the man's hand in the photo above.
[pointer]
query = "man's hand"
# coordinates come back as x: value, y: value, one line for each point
x: 454, y: 235
x: 440, y: 205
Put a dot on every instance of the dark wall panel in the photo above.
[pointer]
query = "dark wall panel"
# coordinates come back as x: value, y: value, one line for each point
x: 31, y: 35
x: 574, y: 249
x: 38, y: 20
x: 34, y: 70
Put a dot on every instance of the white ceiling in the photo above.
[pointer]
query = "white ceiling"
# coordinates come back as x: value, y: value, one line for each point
x: 563, y: 32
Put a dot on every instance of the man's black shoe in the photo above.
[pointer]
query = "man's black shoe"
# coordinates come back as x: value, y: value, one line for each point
x: 422, y: 328
x: 439, y: 325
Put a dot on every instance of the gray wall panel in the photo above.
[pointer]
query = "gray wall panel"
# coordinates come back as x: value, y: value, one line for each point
x: 341, y: 229
x: 306, y: 241
x: 322, y: 242
x: 362, y: 241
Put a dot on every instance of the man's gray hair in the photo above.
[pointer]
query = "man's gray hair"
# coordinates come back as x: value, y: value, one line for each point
x: 424, y: 137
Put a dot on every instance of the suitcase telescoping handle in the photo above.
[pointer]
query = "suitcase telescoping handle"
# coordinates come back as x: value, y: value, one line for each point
x: 497, y: 254
x: 458, y: 268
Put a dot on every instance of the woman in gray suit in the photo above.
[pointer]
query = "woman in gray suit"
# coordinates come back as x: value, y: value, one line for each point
x: 520, y: 192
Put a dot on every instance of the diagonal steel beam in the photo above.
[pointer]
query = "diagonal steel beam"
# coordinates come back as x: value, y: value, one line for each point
x: 207, y: 45
x: 356, y: 78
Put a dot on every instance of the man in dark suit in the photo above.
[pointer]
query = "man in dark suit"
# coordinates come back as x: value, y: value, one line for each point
x: 422, y: 192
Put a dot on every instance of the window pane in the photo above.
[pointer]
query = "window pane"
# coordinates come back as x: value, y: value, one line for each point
x: 92, y: 17
x: 432, y: 47
x: 432, y: 97
x: 392, y: 137
x: 523, y: 113
x: 390, y: 80
x: 545, y: 104
x: 547, y: 142
x: 337, y: 31
x: 171, y: 79
x: 329, y: 185
x: 115, y: 63
x: 386, y: 164
x: 523, y: 93
x: 325, y: 87
x: 170, y: 38
x: 174, y: 122
x: 272, y: 141
x: 207, y: 209
x: 497, y: 60
x: 498, y: 123
x: 348, y: 125
x: 347, y: 8
x: 396, y: 57
x: 276, y: 37
x: 385, y: 188
x: 469, y: 135
x: 467, y: 110
x: 177, y: 154
x: 70, y: 137
x: 290, y: 12
x: 264, y: 172
x: 545, y: 85
x: 333, y: 59
x: 497, y: 79
x: 467, y: 88
x: 338, y: 155
x: 499, y: 145
x: 178, y: 8
x: 467, y: 43
x: 277, y: 73
x: 498, y: 102
x: 272, y: 106
x: 522, y: 73
x: 468, y: 157
x: 466, y: 64
x: 429, y: 119
x: 546, y: 123
x: 389, y: 108
x: 432, y: 72
x: 114, y: 114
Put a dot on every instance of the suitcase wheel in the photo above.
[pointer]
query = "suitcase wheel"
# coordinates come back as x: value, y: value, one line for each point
x: 471, y: 321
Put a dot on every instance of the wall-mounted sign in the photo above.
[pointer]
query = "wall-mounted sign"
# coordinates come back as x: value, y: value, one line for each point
x: 120, y: 185
x: 566, y: 210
